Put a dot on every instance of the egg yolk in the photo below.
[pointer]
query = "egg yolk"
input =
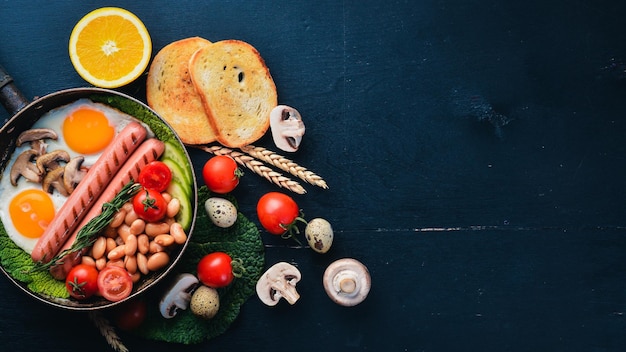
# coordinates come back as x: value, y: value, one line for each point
x: 31, y: 211
x: 87, y: 131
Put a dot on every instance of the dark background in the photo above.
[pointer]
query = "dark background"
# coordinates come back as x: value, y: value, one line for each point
x: 474, y: 152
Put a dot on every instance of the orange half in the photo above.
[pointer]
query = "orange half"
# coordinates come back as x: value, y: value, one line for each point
x: 110, y: 47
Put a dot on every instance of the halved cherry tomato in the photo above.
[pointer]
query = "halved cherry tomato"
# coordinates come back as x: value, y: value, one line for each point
x: 149, y: 205
x: 82, y: 281
x: 221, y: 174
x: 156, y: 175
x: 114, y: 283
x: 215, y: 270
x: 278, y: 213
x: 131, y: 314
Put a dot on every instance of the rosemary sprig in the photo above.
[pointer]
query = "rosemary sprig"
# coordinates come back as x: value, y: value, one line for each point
x: 87, y: 234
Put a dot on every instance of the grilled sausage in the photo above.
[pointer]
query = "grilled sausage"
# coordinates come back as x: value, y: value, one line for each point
x: 148, y: 151
x: 87, y: 191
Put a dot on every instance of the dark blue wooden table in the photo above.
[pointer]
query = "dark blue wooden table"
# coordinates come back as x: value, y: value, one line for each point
x: 475, y: 153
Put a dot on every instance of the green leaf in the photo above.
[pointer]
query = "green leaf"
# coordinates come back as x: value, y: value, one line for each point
x: 242, y: 241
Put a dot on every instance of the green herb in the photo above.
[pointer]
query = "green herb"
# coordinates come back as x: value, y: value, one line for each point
x: 87, y: 235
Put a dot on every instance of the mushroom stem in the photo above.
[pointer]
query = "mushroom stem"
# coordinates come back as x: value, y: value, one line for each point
x: 289, y: 294
x: 347, y: 285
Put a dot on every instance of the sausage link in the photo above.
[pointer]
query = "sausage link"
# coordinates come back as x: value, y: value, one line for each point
x: 87, y: 192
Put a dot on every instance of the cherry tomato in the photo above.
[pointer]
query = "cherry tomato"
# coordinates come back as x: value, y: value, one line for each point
x: 149, y: 205
x: 215, y: 270
x: 221, y: 174
x: 131, y: 314
x: 156, y: 175
x: 82, y: 281
x: 114, y: 283
x: 277, y: 212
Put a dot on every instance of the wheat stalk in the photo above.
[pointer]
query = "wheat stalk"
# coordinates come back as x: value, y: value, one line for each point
x: 256, y: 166
x: 285, y: 164
x: 108, y: 332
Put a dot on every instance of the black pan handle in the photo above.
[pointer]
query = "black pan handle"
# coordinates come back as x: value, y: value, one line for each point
x: 11, y: 97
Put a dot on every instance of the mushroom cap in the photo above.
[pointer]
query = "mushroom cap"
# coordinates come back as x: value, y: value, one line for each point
x: 278, y: 281
x: 35, y: 134
x: 23, y: 166
x: 347, y: 282
x: 53, y: 180
x: 73, y: 173
x: 51, y: 160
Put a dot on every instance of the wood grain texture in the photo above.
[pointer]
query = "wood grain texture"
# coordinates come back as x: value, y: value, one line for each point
x: 474, y: 153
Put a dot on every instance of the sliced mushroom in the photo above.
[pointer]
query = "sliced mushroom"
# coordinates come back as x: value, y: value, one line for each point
x: 178, y: 296
x: 53, y: 180
x: 347, y: 282
x: 25, y: 167
x: 50, y: 161
x: 73, y: 173
x: 36, y: 137
x: 287, y: 128
x: 279, y: 281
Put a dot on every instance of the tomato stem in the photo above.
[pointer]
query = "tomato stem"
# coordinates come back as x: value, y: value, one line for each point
x: 237, y: 267
x: 292, y: 229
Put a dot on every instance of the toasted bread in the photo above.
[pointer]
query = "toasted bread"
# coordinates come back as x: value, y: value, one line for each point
x: 170, y: 92
x: 236, y: 89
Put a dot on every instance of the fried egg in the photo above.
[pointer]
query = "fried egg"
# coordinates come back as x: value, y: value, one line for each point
x: 84, y: 129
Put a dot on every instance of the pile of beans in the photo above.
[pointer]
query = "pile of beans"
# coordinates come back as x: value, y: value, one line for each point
x: 138, y: 246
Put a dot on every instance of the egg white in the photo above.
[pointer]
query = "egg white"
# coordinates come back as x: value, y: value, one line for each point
x: 53, y: 120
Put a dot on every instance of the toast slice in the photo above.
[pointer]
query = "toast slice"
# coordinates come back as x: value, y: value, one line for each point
x: 236, y: 89
x: 170, y: 92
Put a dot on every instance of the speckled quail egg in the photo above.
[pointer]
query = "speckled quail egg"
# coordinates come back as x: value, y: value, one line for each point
x: 221, y: 211
x: 205, y: 302
x: 319, y: 235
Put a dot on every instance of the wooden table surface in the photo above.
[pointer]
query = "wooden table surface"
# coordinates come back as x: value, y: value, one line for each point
x: 475, y: 153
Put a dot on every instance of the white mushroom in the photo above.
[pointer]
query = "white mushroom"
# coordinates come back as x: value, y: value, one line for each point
x: 279, y: 281
x: 347, y: 282
x: 287, y: 128
x: 178, y: 296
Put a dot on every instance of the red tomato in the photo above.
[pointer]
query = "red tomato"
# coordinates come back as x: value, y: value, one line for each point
x: 215, y: 270
x: 82, y: 281
x: 131, y: 314
x: 114, y: 283
x: 149, y: 205
x: 277, y: 212
x: 221, y: 174
x: 156, y: 175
